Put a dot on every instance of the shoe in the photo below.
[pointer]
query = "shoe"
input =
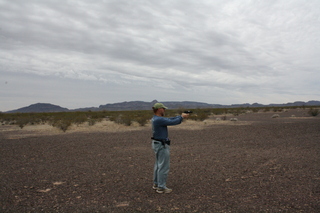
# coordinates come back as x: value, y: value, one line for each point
x: 155, y: 186
x: 163, y: 190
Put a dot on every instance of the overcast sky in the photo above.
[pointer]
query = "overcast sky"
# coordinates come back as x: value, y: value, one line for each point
x: 80, y: 53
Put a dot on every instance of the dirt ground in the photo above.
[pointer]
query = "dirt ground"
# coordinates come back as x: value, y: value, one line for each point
x: 255, y: 164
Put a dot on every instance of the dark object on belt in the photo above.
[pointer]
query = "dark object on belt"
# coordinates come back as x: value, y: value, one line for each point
x: 163, y: 141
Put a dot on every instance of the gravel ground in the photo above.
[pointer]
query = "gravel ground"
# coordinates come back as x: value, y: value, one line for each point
x: 256, y: 164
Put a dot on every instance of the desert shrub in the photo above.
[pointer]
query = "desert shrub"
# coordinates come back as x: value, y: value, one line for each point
x: 92, y: 122
x: 22, y: 121
x: 98, y: 116
x: 117, y: 119
x: 215, y: 111
x: 112, y: 118
x: 125, y: 119
x: 313, y: 112
x: 267, y: 109
x: 219, y: 111
x: 79, y: 119
x: 224, y: 118
x: 63, y: 124
x: 277, y: 109
x: 62, y: 120
x: 143, y: 119
x: 255, y: 109
x: 172, y: 113
x: 236, y: 113
x: 2, y: 120
x: 200, y: 116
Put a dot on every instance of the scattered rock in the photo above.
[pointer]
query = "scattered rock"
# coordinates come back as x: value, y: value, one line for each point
x: 58, y: 183
x: 44, y: 190
x: 122, y: 204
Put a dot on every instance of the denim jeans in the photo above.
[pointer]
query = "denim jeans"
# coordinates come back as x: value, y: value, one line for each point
x: 162, y: 164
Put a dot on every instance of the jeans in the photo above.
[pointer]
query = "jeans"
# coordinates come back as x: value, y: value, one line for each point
x: 162, y: 164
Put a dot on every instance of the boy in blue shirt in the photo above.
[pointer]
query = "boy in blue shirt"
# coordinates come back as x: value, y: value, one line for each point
x: 161, y: 145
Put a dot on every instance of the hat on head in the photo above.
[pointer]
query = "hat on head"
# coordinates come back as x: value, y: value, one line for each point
x: 159, y: 106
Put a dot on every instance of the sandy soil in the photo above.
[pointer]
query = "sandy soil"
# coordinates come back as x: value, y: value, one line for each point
x: 255, y: 164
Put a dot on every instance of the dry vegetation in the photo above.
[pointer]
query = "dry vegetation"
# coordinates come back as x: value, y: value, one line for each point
x: 256, y: 163
x: 66, y: 120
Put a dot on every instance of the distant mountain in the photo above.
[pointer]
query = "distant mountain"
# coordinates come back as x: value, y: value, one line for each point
x: 141, y: 105
x: 40, y: 107
x: 131, y: 105
x: 298, y: 103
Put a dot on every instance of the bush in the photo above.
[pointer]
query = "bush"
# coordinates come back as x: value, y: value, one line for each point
x: 200, y: 116
x: 256, y: 109
x: 61, y: 120
x: 80, y: 119
x: 63, y: 124
x: 23, y: 121
x: 92, y: 122
x: 267, y: 109
x: 125, y: 119
x: 313, y: 112
x: 142, y: 119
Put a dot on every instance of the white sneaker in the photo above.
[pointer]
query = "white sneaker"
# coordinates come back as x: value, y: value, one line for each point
x: 155, y: 186
x: 163, y: 190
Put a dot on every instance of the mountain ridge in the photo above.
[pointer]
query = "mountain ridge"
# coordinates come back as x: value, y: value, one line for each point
x: 40, y: 107
x: 142, y: 105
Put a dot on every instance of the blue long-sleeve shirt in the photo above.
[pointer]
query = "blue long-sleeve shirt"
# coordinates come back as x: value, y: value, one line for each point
x: 159, y: 125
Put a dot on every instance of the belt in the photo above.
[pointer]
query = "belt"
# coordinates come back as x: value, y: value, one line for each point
x: 163, y: 141
x: 158, y: 139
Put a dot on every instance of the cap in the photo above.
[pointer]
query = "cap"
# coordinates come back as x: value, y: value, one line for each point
x: 159, y: 106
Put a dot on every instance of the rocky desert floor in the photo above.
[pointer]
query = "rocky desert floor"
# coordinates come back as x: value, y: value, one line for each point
x: 255, y: 164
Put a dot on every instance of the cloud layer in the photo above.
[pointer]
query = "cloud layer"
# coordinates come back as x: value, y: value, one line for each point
x: 217, y: 52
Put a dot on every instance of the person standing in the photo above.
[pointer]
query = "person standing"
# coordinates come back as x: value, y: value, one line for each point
x: 161, y: 146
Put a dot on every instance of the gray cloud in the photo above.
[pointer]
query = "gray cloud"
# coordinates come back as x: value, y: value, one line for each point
x: 215, y: 52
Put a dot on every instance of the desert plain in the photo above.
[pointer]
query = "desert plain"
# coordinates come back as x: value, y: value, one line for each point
x: 255, y: 164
